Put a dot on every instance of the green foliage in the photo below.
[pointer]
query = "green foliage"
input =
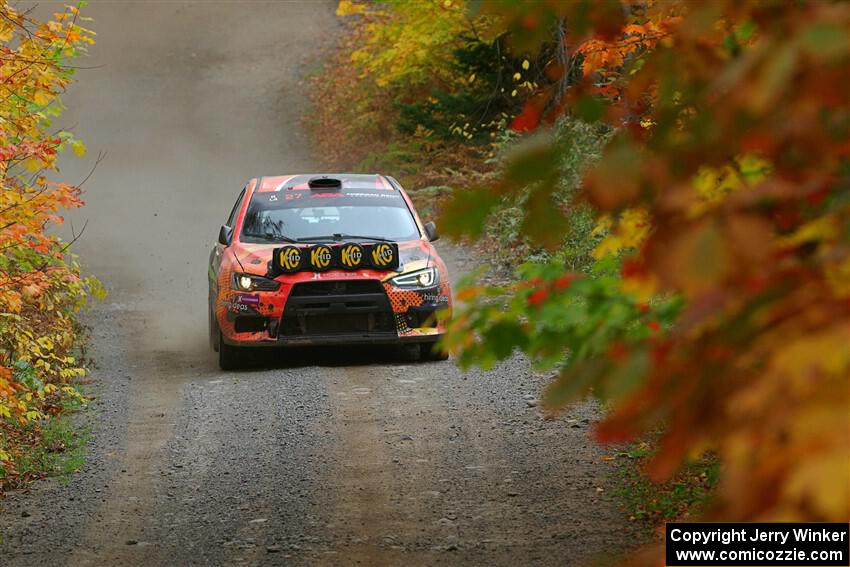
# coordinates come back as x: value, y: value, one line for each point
x: 579, y: 145
x: 484, y: 92
x: 561, y: 320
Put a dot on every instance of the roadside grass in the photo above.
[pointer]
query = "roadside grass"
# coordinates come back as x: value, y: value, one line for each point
x: 55, y: 448
x: 650, y: 504
x: 52, y: 448
x: 60, y: 453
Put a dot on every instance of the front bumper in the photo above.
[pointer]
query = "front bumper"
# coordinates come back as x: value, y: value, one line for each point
x: 337, y: 312
x: 339, y: 340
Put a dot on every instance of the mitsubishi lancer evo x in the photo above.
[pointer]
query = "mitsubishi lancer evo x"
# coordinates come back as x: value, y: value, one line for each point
x: 326, y: 260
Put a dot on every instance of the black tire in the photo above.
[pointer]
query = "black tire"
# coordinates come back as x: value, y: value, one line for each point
x: 411, y: 352
x: 431, y: 352
x: 215, y: 334
x: 229, y: 357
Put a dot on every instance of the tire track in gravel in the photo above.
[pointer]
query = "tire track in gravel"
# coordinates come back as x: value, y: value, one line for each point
x: 149, y: 423
x: 380, y: 442
x: 241, y: 468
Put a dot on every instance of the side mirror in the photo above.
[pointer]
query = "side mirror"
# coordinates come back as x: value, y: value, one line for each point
x: 431, y: 231
x: 225, y: 235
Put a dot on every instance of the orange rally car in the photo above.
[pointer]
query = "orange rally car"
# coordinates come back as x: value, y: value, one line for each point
x: 326, y: 259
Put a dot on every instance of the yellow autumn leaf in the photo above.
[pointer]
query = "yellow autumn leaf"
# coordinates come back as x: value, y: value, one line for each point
x: 712, y: 184
x: 825, y: 352
x: 32, y: 165
x: 642, y: 288
x: 42, y: 98
x: 6, y: 31
x: 349, y: 8
x: 609, y: 245
x: 78, y: 147
x: 820, y: 483
x: 630, y: 231
x: 838, y: 277
x: 822, y: 228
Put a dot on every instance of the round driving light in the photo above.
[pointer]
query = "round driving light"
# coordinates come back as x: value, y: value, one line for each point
x: 426, y: 278
x: 245, y: 282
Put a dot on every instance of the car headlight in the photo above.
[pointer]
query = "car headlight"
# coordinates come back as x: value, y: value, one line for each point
x: 419, y: 279
x: 250, y: 282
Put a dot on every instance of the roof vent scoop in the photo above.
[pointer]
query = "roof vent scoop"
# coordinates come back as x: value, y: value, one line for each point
x: 324, y: 182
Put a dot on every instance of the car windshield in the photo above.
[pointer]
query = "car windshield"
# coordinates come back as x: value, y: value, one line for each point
x: 315, y: 215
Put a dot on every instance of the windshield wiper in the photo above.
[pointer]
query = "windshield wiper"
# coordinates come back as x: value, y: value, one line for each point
x: 274, y: 237
x: 340, y: 236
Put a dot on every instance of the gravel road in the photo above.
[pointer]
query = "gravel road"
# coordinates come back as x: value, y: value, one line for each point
x: 347, y: 458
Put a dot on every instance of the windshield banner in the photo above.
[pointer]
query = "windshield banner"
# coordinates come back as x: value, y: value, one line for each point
x: 344, y: 256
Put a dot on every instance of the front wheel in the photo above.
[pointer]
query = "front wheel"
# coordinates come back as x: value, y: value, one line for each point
x: 430, y: 351
x: 229, y: 357
x: 215, y: 333
x: 411, y: 352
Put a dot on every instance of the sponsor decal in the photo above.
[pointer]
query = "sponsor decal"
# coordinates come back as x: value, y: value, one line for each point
x: 289, y: 258
x: 248, y: 299
x: 375, y: 195
x: 238, y: 307
x: 320, y: 257
x: 351, y: 256
x: 326, y: 195
x: 434, y: 298
x: 383, y: 255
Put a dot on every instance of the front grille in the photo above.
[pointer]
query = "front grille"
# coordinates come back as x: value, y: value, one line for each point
x: 337, y: 307
x: 336, y: 287
x: 314, y: 325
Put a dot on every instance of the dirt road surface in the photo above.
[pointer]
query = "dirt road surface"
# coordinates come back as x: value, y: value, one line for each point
x: 330, y: 458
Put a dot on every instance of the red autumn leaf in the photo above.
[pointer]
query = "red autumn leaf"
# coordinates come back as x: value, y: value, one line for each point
x: 538, y: 297
x: 565, y: 281
x: 527, y: 120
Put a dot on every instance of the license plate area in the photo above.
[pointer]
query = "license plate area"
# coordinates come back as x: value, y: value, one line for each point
x: 308, y: 315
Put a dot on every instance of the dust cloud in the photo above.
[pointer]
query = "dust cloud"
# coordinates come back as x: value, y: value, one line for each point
x: 183, y: 122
